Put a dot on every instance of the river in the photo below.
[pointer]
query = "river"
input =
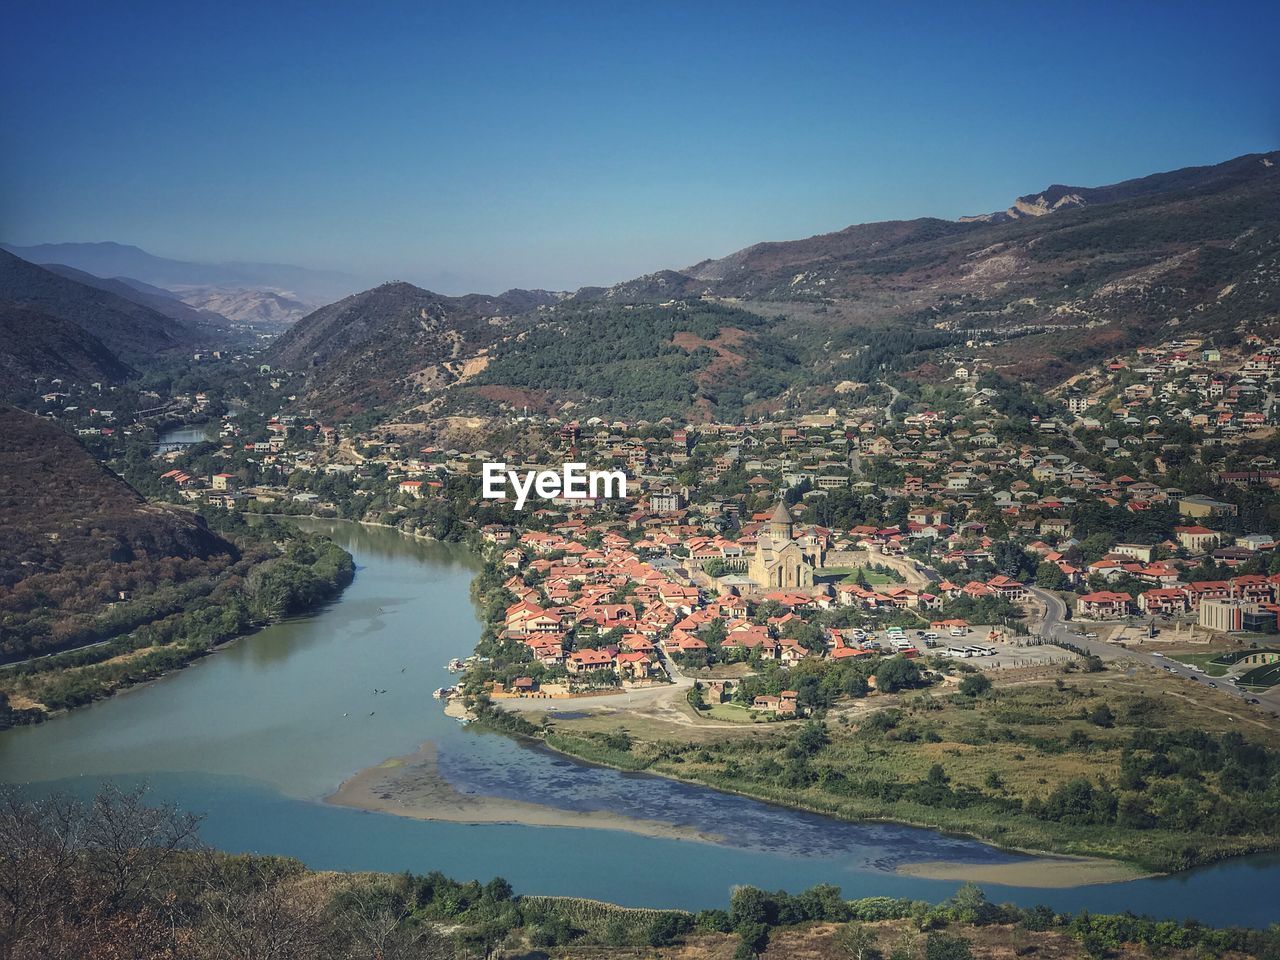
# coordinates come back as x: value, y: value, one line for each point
x: 178, y: 438
x: 257, y: 735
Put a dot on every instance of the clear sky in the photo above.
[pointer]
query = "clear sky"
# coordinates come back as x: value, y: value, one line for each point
x: 477, y: 145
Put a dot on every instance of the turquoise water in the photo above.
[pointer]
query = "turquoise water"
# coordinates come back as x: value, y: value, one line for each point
x: 255, y: 736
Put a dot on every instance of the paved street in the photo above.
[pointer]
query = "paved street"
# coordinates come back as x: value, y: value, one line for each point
x: 1055, y: 626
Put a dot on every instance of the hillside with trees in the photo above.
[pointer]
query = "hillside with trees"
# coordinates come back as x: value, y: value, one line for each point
x: 78, y: 538
x: 36, y: 348
x: 394, y: 344
x: 1086, y: 273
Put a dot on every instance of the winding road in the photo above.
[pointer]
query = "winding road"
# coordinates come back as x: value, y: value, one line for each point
x: 1055, y: 626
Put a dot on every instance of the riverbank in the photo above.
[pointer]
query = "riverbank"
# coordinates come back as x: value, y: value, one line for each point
x: 412, y: 786
x: 266, y: 585
x: 1127, y: 854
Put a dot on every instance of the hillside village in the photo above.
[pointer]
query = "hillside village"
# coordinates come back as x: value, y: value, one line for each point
x: 1140, y: 491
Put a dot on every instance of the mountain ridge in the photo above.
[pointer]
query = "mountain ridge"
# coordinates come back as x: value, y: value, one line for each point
x: 131, y: 330
x: 112, y: 259
x: 1187, y: 251
x: 158, y: 299
x: 395, y: 339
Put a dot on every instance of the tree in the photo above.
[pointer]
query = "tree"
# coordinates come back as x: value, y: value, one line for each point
x: 972, y: 906
x: 1102, y: 716
x: 897, y: 673
x: 943, y: 946
x: 748, y: 905
x: 1050, y: 577
x: 812, y: 738
x: 856, y: 941
x: 755, y: 937
x: 975, y: 684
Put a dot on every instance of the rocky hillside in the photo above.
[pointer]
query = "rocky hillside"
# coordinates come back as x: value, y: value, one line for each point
x: 269, y: 309
x: 1076, y: 274
x: 396, y: 343
x: 1060, y: 197
x: 1193, y: 251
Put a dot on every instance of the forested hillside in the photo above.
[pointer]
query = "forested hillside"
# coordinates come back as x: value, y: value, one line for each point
x: 78, y: 539
x: 645, y: 361
x: 36, y: 348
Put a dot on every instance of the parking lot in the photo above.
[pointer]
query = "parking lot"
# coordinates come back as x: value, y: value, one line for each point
x: 982, y: 647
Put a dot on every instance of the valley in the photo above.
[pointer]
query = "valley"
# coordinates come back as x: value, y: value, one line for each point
x: 946, y: 552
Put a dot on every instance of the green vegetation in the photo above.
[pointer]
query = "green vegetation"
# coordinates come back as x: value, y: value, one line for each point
x: 122, y: 878
x: 281, y: 572
x: 633, y: 357
x: 1099, y: 768
x: 1261, y: 678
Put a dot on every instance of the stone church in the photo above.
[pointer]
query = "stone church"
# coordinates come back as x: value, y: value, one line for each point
x: 780, y: 562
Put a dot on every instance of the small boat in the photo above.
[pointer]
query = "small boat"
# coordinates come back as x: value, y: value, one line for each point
x: 456, y: 666
x: 439, y: 693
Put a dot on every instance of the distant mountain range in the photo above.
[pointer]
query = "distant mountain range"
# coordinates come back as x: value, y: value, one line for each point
x: 1063, y: 277
x: 162, y: 301
x: 63, y: 323
x: 123, y: 260
x: 265, y: 309
x: 129, y: 328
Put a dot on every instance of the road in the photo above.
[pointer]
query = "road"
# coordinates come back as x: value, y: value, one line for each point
x: 1055, y: 626
x: 895, y: 393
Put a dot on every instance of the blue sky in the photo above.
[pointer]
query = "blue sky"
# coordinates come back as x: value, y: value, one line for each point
x: 488, y: 145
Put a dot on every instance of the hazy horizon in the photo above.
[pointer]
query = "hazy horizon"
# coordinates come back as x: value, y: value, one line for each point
x: 505, y: 146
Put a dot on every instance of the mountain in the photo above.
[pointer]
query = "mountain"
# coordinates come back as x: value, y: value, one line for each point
x: 264, y: 308
x: 75, y: 533
x: 36, y: 345
x: 158, y: 299
x: 1079, y: 273
x: 395, y: 342
x: 130, y: 330
x: 123, y: 260
x: 1192, y: 251
x: 1060, y: 197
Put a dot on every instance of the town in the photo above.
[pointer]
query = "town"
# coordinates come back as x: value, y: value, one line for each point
x: 1140, y: 493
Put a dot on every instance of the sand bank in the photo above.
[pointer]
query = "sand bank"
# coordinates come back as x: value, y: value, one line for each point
x: 412, y: 786
x: 1046, y: 872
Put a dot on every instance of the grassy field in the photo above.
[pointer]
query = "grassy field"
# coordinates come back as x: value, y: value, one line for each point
x: 732, y: 713
x: 850, y: 574
x: 1018, y: 745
